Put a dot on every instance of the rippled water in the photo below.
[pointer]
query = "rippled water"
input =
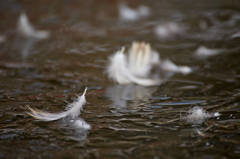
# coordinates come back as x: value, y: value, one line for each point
x: 128, y: 121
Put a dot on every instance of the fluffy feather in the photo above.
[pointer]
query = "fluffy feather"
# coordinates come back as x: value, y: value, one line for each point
x: 74, y: 110
x: 141, y: 58
x: 197, y: 115
x: 136, y: 67
x: 119, y: 71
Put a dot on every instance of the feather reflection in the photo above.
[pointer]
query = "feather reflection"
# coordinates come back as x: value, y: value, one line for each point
x: 29, y: 34
x: 122, y: 94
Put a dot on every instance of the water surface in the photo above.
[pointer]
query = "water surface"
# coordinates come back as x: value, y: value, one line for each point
x: 127, y: 121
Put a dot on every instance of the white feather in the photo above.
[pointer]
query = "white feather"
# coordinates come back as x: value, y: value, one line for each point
x: 74, y: 110
x: 141, y: 59
x: 119, y: 71
x: 128, y: 14
x: 169, y: 66
x: 27, y: 30
x: 197, y: 115
x: 203, y: 51
x: 169, y: 30
x: 137, y: 65
x: 117, y: 68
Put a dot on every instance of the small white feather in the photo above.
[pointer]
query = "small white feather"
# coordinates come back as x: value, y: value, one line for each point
x: 128, y: 14
x: 203, y: 51
x: 74, y: 110
x: 169, y: 30
x: 27, y: 30
x: 169, y: 66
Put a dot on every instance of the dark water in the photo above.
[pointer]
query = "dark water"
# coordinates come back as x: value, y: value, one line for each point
x: 127, y: 121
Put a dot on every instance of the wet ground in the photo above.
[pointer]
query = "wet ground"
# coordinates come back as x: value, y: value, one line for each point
x: 128, y: 121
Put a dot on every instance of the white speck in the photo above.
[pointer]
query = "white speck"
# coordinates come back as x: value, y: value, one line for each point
x: 216, y: 114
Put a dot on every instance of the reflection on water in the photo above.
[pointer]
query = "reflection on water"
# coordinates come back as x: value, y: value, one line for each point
x: 121, y: 95
x: 27, y: 45
x: 75, y: 129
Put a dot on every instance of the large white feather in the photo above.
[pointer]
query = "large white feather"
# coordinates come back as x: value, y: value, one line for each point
x: 137, y: 65
x: 119, y: 71
x: 74, y: 110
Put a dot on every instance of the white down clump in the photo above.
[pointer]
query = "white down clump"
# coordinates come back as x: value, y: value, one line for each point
x: 197, y: 115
